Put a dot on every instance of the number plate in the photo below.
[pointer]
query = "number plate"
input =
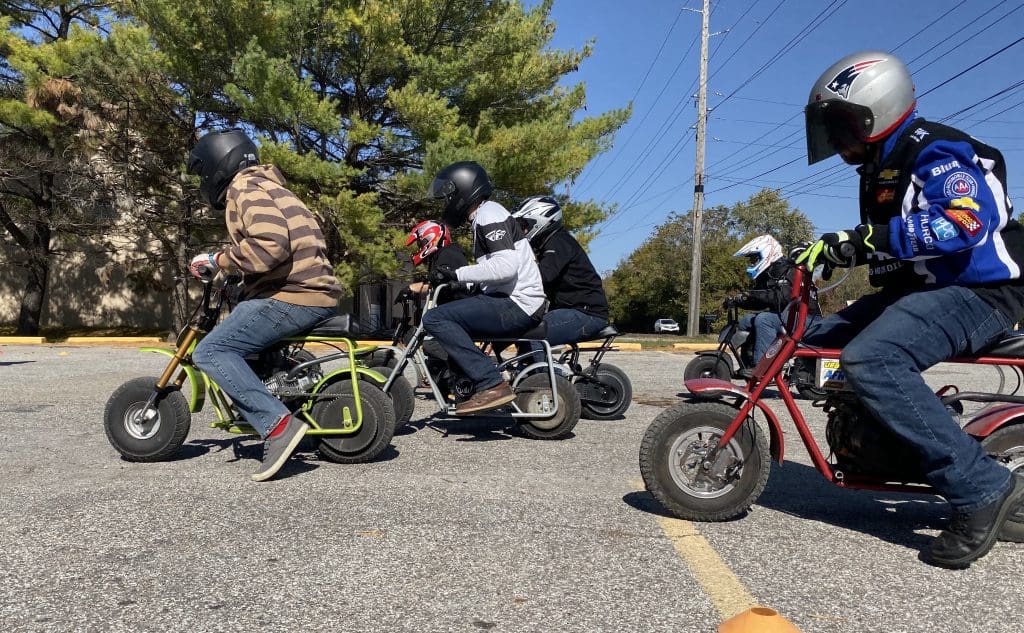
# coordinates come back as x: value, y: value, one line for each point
x: 830, y: 375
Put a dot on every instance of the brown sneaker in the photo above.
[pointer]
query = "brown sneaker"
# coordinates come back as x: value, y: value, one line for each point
x: 498, y: 395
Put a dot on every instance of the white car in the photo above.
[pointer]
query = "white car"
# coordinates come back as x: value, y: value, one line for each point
x: 665, y: 325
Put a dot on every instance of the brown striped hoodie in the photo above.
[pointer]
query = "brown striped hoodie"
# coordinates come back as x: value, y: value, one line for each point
x: 277, y: 244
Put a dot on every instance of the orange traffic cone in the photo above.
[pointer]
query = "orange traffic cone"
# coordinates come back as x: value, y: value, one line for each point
x: 757, y: 620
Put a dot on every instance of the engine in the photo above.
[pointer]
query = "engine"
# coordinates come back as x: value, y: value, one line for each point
x: 863, y: 446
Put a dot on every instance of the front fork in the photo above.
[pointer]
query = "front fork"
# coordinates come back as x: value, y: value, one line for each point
x: 150, y: 412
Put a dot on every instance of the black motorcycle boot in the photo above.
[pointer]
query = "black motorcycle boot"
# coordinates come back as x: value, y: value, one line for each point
x: 970, y: 535
x: 1013, y: 530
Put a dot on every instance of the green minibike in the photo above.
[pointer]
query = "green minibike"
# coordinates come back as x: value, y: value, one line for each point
x: 351, y: 419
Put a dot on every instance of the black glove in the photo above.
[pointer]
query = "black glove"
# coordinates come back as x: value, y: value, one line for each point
x: 839, y: 249
x: 443, y: 274
x: 733, y: 301
x: 403, y: 296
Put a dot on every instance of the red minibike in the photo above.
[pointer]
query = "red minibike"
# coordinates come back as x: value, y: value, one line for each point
x: 707, y: 459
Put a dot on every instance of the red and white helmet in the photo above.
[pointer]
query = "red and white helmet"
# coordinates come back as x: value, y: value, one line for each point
x: 429, y: 237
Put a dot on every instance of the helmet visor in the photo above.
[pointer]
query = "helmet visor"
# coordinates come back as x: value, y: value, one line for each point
x: 834, y: 125
x: 441, y: 188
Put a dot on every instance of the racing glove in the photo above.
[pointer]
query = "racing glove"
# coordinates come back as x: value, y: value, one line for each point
x: 840, y: 249
x: 734, y: 300
x: 442, y: 275
x: 204, y: 265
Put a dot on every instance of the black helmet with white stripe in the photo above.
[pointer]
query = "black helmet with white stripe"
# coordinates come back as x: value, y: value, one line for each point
x: 539, y: 217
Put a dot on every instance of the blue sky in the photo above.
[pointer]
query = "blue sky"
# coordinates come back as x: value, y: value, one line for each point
x: 757, y: 91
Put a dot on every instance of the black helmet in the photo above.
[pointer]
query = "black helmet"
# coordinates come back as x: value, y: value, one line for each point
x: 216, y: 158
x: 461, y: 185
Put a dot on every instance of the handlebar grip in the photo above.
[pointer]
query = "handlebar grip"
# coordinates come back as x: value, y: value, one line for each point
x: 847, y: 250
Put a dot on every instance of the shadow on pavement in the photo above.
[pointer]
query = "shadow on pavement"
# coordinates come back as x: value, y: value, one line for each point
x: 800, y: 491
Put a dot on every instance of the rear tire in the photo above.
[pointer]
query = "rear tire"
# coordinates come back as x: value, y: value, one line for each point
x: 140, y: 440
x: 533, y: 395
x: 373, y: 435
x: 613, y: 383
x: 402, y: 397
x: 672, y: 456
x: 1007, y: 446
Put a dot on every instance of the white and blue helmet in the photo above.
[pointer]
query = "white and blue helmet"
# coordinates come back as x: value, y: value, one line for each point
x: 762, y: 251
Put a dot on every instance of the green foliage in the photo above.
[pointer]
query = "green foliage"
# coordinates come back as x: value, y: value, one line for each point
x: 654, y: 281
x: 390, y: 91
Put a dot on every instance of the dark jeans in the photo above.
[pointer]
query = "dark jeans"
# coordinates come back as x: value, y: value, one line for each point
x: 765, y: 327
x: 565, y: 325
x: 887, y: 341
x: 455, y: 324
x: 252, y: 326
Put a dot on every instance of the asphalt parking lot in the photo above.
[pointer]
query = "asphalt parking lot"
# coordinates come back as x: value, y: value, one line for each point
x: 462, y: 526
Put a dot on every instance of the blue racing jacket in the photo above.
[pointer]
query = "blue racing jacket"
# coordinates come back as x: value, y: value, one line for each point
x: 939, y: 209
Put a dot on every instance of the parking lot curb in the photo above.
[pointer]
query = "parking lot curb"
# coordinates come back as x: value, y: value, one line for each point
x: 106, y: 340
x: 22, y: 340
x: 694, y: 347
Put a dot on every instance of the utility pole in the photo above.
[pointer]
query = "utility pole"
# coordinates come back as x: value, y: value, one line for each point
x: 693, y: 318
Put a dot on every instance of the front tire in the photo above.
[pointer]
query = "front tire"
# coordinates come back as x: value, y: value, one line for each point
x: 672, y: 462
x: 533, y: 395
x: 613, y: 387
x: 373, y: 435
x: 146, y: 438
x: 707, y: 366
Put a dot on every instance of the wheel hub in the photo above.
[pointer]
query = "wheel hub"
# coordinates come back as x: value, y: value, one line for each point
x: 142, y: 422
x: 693, y: 470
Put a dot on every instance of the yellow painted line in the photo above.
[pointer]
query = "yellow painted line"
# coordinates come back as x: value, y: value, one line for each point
x: 104, y: 340
x: 22, y: 340
x: 721, y: 585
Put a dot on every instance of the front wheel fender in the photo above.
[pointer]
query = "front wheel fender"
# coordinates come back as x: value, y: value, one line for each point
x: 196, y: 378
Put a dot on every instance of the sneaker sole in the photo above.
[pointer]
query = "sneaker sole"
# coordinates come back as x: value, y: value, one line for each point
x: 264, y: 475
x: 1001, y: 520
x: 488, y: 407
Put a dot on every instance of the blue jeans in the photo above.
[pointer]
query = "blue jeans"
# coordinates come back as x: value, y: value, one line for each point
x: 888, y: 339
x: 565, y: 325
x: 455, y: 324
x: 252, y: 326
x: 765, y: 326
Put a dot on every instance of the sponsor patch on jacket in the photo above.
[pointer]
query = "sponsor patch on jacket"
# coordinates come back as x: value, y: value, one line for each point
x: 885, y: 195
x: 496, y: 235
x: 966, y: 219
x: 943, y: 229
x: 958, y: 184
x: 888, y: 174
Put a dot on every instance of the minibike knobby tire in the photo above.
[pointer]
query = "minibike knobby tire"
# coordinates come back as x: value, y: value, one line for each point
x: 707, y: 366
x: 373, y: 435
x: 1007, y: 446
x: 672, y: 456
x: 140, y: 440
x: 533, y: 395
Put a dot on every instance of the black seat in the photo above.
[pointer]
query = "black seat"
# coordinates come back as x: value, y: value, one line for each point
x: 537, y: 332
x: 1009, y: 347
x: 606, y: 331
x: 341, y: 326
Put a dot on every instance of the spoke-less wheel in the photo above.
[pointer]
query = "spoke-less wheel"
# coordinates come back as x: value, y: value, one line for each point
x: 1006, y: 446
x: 533, y: 395
x: 606, y: 395
x: 706, y: 366
x: 144, y: 434
x: 403, y: 399
x: 372, y: 437
x: 679, y: 469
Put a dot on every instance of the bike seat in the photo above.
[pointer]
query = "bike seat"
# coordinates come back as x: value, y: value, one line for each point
x: 538, y: 331
x: 1009, y: 347
x: 341, y: 326
x: 606, y: 332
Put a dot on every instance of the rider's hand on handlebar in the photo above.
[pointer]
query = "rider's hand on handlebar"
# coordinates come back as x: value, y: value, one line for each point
x: 733, y: 301
x: 204, y: 265
x: 840, y: 249
x: 442, y: 275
